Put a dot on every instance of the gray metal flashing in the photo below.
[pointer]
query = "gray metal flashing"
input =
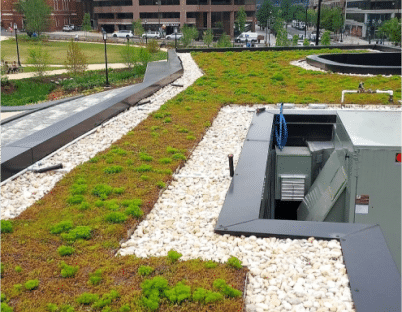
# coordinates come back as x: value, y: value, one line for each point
x: 20, y: 154
x: 39, y: 105
x: 374, y: 277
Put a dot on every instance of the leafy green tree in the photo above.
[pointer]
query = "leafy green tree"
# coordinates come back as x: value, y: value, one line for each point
x: 128, y: 55
x: 86, y: 22
x: 76, y: 61
x: 39, y: 58
x: 208, y: 37
x: 294, y: 40
x: 325, y: 40
x: 266, y: 12
x: 392, y: 29
x: 332, y: 19
x: 282, y: 38
x: 312, y: 17
x: 189, y: 34
x: 224, y: 41
x: 306, y: 42
x: 37, y: 15
x: 137, y: 27
x: 241, y: 18
x: 286, y: 10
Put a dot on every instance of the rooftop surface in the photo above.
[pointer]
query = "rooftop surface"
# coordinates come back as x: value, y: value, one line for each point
x: 373, y: 129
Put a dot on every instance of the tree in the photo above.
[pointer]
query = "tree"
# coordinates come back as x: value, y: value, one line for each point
x: 266, y: 12
x: 241, y: 18
x: 208, y: 37
x: 76, y: 61
x: 325, y: 40
x: 37, y: 15
x: 286, y: 10
x: 332, y: 19
x: 86, y: 22
x: 39, y: 58
x: 224, y: 41
x: 137, y: 27
x: 312, y: 17
x: 282, y: 38
x: 294, y: 40
x: 128, y: 55
x: 189, y: 34
x: 306, y: 42
x: 392, y: 29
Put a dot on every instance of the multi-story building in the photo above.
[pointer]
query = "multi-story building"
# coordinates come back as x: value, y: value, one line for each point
x: 64, y: 12
x: 364, y: 17
x: 112, y: 15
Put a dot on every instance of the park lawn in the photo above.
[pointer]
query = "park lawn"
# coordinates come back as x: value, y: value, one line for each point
x: 175, y: 129
x: 95, y: 52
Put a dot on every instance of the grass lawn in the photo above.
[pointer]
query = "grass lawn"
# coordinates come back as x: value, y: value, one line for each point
x: 109, y: 195
x: 95, y: 52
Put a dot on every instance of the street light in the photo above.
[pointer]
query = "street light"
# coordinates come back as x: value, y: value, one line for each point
x: 16, y: 40
x: 305, y: 26
x: 159, y: 16
x: 107, y: 78
x: 175, y: 37
x: 146, y: 36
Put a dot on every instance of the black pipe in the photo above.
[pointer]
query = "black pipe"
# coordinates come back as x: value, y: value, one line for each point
x: 143, y: 103
x: 176, y: 85
x: 231, y: 165
x: 318, y: 22
x: 58, y: 166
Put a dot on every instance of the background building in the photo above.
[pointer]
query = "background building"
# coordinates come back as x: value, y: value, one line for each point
x: 203, y: 14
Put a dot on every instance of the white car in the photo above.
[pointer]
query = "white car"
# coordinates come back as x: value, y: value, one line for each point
x: 123, y: 34
x: 68, y: 27
x: 151, y: 35
x: 172, y: 36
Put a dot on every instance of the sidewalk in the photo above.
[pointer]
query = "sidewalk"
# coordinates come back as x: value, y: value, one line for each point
x: 63, y: 71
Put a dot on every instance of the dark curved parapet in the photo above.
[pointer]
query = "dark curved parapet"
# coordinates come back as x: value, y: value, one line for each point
x: 385, y: 63
x: 21, y: 154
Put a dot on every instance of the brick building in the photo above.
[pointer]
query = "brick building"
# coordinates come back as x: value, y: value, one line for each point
x: 204, y: 14
x: 65, y: 12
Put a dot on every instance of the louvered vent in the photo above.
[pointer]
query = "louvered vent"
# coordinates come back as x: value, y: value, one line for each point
x: 292, y: 187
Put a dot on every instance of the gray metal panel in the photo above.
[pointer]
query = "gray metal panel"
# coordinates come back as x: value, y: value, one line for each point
x: 14, y: 159
x: 379, y: 177
x: 243, y: 198
x: 261, y: 127
x: 373, y: 129
x: 374, y: 278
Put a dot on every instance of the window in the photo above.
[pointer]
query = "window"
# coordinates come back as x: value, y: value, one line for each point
x: 113, y: 3
x: 125, y: 15
x: 105, y: 15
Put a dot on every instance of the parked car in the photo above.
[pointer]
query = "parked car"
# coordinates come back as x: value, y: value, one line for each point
x: 68, y: 27
x: 172, y: 36
x: 123, y: 34
x: 151, y: 35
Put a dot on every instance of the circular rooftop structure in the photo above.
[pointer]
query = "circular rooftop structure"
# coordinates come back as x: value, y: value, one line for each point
x: 384, y: 63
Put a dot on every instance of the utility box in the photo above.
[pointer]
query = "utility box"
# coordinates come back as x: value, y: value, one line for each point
x: 293, y: 173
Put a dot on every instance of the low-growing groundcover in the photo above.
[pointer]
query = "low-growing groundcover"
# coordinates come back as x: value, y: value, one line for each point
x: 37, y: 234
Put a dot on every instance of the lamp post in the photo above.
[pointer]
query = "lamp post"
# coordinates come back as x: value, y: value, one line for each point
x: 175, y: 37
x: 146, y: 36
x: 16, y: 40
x: 318, y: 23
x: 107, y: 78
x: 159, y: 16
x: 305, y: 26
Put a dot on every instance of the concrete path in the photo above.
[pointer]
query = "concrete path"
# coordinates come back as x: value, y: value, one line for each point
x: 63, y: 71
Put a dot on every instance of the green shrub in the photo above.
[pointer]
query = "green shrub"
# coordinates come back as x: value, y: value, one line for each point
x: 213, y: 297
x: 3, y: 297
x: 277, y: 77
x: 145, y: 157
x: 62, y: 226
x: 178, y: 293
x: 106, y: 299
x: 18, y: 287
x: 129, y: 162
x: 87, y: 298
x: 6, y: 308
x: 210, y: 264
x: 143, y: 168
x: 134, y: 210
x: 152, y: 290
x: 128, y: 202
x: 112, y: 204
x: 68, y: 270
x: 227, y: 290
x: 165, y: 171
x: 160, y: 184
x: 102, y: 191
x: 179, y: 156
x: 188, y: 108
x: 200, y: 294
x: 119, y: 190
x: 173, y: 256
x: 113, y: 169
x: 171, y: 150
x: 190, y: 137
x: 1, y: 269
x: 78, y: 189
x: 51, y: 307
x: 83, y: 232
x: 144, y: 270
x: 75, y: 199
x: 94, y: 159
x: 116, y: 217
x: 144, y: 178
x: 183, y: 130
x: 95, y: 278
x: 167, y: 120
x: 153, y: 46
x: 65, y: 251
x: 84, y: 206
x: 166, y: 160
x: 6, y: 226
x: 119, y: 151
x: 31, y: 284
x: 18, y: 269
x: 234, y: 263
x: 125, y: 308
x: 99, y: 203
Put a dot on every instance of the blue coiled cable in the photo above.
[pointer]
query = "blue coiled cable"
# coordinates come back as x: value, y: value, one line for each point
x: 281, y: 130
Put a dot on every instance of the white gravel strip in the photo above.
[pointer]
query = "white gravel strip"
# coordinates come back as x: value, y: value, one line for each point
x: 22, y: 192
x: 285, y: 275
